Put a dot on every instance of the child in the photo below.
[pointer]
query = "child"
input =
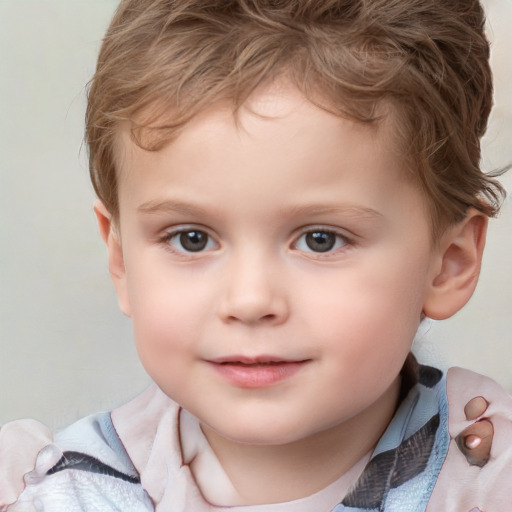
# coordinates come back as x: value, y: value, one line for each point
x: 286, y: 190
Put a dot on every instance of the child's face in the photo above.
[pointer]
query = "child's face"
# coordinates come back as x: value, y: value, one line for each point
x: 275, y: 270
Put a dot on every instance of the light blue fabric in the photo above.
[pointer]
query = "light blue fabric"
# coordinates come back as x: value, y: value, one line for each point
x: 422, y: 405
x: 96, y: 435
x: 73, y: 489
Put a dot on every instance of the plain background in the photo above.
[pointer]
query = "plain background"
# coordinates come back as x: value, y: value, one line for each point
x: 65, y: 349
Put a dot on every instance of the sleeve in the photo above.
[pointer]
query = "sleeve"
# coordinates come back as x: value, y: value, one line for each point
x: 77, y: 483
x: 476, y: 475
x: 20, y: 443
x: 85, y: 468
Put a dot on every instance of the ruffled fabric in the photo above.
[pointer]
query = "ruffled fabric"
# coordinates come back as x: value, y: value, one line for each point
x: 20, y: 443
x: 466, y: 483
x: 84, y: 469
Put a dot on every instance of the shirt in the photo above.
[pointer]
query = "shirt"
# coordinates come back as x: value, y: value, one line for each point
x: 428, y: 459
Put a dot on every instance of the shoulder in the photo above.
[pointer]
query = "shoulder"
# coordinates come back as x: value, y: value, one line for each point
x: 448, y: 447
x: 85, y: 468
x: 477, y: 471
x: 20, y: 442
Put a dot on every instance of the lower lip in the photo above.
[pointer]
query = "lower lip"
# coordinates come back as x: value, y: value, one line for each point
x: 258, y: 375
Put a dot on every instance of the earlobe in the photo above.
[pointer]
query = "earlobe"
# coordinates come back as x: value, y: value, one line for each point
x: 115, y: 254
x: 457, y: 267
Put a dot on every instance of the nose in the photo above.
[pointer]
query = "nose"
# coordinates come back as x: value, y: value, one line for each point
x: 254, y: 293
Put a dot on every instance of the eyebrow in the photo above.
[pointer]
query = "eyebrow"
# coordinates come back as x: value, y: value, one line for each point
x: 181, y: 207
x: 171, y: 206
x: 348, y: 210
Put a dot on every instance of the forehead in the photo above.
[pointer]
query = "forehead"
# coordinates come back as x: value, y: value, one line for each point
x: 293, y: 126
x: 159, y: 125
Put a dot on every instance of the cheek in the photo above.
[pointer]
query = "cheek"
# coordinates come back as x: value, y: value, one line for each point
x: 167, y: 313
x: 372, y: 311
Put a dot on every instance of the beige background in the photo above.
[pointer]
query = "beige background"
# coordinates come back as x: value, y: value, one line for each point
x: 65, y: 350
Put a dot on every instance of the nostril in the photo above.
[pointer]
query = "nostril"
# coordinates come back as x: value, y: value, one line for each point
x: 270, y: 318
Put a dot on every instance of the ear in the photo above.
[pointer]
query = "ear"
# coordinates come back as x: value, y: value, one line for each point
x: 456, y: 268
x: 110, y: 235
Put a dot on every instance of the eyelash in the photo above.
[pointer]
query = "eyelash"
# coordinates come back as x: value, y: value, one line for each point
x: 340, y: 242
x: 168, y: 238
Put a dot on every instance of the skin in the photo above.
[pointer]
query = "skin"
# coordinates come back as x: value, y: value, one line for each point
x: 259, y: 288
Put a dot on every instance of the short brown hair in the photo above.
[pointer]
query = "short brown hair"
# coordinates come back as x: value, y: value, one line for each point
x: 428, y: 58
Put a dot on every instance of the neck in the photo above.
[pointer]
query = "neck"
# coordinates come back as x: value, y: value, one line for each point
x: 280, y: 473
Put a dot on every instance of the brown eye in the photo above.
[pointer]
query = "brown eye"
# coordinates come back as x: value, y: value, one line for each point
x: 192, y: 240
x: 321, y: 241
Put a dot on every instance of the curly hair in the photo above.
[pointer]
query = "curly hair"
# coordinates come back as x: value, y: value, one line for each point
x: 164, y: 61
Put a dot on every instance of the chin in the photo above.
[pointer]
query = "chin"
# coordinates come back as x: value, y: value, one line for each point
x: 266, y: 434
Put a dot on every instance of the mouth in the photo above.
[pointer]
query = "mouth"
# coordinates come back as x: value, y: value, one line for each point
x: 256, y: 372
x: 245, y: 360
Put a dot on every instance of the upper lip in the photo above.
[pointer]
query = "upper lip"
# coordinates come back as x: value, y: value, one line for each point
x: 262, y: 359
